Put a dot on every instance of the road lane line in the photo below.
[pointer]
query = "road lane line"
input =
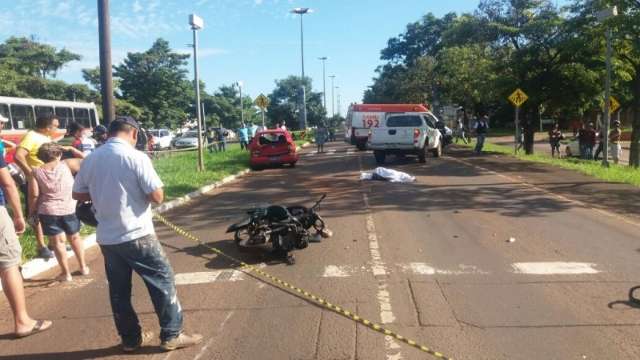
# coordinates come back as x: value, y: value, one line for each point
x: 555, y: 268
x: 218, y: 331
x: 331, y: 152
x: 393, y: 351
x: 351, y: 151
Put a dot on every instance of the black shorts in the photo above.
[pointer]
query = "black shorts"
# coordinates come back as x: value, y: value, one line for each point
x: 55, y: 225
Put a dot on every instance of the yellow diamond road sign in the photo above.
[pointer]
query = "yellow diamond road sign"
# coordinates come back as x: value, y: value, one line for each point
x: 518, y: 97
x: 613, y: 105
x: 262, y: 101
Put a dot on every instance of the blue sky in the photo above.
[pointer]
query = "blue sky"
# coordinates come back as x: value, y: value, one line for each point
x: 256, y: 41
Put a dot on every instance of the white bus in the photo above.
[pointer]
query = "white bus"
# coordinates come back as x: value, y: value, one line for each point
x: 22, y: 114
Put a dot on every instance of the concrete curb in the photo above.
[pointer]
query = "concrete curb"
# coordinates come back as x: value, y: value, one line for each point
x: 34, y: 267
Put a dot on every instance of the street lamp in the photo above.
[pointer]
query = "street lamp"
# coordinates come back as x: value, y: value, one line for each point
x: 333, y: 100
x: 303, y: 117
x: 324, y: 83
x: 239, y: 84
x: 197, y: 23
x: 602, y: 16
x: 338, y: 88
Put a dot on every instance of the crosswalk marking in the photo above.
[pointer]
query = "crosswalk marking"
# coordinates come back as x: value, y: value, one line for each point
x: 555, y: 268
x: 411, y: 268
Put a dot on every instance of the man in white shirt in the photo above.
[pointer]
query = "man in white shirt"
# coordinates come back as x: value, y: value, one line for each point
x: 122, y: 183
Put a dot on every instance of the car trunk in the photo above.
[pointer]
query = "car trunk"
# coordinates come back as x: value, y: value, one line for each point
x: 273, y: 145
x: 399, y: 129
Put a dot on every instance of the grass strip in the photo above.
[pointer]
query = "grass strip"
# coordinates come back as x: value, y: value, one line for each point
x: 614, y: 173
x: 179, y: 174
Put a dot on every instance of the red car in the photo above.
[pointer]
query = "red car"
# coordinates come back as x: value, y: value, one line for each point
x: 272, y: 147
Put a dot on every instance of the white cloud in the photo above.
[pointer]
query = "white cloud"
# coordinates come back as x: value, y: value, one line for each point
x: 136, y: 7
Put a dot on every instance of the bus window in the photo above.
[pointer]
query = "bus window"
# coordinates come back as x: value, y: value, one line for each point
x: 4, y: 111
x: 82, y: 117
x: 64, y: 116
x: 22, y: 117
x: 43, y: 111
x: 94, y: 118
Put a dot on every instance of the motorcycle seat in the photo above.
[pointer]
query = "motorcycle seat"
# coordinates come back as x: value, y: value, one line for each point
x: 278, y: 213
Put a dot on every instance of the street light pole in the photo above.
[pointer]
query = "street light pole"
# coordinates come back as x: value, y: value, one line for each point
x: 106, y: 80
x: 239, y: 83
x: 338, y: 87
x: 603, y: 16
x: 196, y: 24
x: 324, y: 83
x: 333, y: 100
x: 303, y: 113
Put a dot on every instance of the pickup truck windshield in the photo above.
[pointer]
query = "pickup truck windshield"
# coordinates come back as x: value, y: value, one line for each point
x: 404, y: 121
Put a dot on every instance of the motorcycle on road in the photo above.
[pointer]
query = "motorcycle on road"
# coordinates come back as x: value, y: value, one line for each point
x: 284, y: 228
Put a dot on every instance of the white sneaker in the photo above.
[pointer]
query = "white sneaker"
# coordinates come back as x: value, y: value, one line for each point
x: 85, y: 271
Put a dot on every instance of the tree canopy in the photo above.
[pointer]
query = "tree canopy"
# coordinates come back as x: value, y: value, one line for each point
x: 475, y: 60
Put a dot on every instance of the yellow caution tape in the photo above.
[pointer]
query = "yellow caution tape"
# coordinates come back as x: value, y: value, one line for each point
x: 309, y: 296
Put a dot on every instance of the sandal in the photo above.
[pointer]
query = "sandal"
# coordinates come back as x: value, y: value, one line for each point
x: 37, y: 328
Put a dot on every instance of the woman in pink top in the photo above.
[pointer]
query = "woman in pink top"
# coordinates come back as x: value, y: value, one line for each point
x: 50, y: 198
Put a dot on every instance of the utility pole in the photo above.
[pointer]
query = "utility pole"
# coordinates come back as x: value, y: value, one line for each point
x: 333, y: 100
x: 106, y: 80
x: 196, y: 24
x: 324, y: 83
x: 303, y: 112
x: 338, y: 87
x: 239, y: 83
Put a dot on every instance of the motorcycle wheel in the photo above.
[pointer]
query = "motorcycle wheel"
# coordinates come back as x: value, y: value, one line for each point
x: 241, y: 235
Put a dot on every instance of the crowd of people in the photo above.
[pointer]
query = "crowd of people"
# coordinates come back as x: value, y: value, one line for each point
x: 587, y: 136
x: 106, y: 170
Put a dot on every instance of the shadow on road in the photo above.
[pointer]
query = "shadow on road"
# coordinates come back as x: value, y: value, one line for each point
x: 632, y: 302
x: 83, y: 354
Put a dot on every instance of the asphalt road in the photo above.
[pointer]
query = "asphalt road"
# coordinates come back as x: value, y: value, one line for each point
x: 431, y: 260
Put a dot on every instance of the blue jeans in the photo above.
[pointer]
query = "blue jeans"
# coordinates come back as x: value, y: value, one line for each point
x: 146, y: 257
x: 479, y: 143
x: 586, y: 151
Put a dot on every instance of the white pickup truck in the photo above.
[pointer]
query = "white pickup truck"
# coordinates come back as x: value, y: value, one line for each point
x: 407, y: 133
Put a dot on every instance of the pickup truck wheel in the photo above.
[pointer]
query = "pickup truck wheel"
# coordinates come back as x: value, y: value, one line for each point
x: 380, y: 156
x: 437, y: 152
x: 422, y: 155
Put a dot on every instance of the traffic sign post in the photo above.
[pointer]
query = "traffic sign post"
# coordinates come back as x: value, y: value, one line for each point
x: 517, y: 98
x: 262, y: 102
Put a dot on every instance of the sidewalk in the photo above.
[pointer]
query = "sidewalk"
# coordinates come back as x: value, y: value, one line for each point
x: 541, y: 145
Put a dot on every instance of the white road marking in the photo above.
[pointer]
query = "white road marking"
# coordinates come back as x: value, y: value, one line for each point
x: 350, y: 151
x: 332, y: 151
x: 336, y: 271
x: 555, y: 268
x: 419, y: 268
x: 206, y: 277
x: 393, y: 351
x: 218, y: 331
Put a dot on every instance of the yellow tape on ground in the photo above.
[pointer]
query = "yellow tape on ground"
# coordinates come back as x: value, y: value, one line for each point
x: 309, y: 296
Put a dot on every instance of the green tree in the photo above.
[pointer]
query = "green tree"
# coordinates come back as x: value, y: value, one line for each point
x: 156, y: 81
x: 29, y: 57
x: 285, y: 101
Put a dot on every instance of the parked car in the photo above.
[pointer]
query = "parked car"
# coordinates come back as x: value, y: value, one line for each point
x: 187, y: 140
x: 272, y: 147
x: 162, y: 138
